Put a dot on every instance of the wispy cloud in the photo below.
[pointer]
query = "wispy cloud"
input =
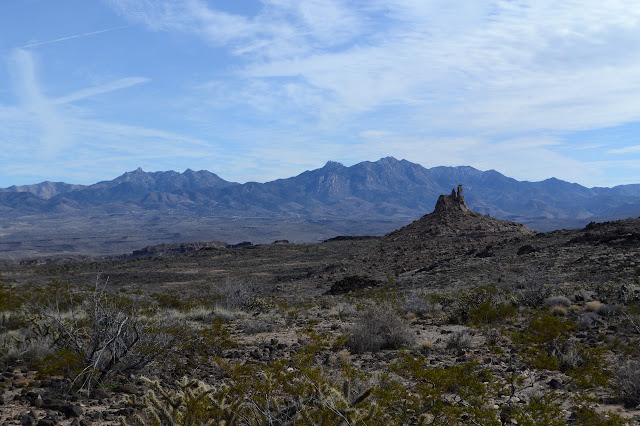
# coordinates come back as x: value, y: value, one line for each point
x: 625, y: 150
x: 36, y: 108
x: 499, y: 66
x: 282, y: 28
x: 52, y: 137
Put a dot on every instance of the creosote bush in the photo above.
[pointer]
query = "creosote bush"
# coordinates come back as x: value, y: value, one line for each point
x: 380, y: 327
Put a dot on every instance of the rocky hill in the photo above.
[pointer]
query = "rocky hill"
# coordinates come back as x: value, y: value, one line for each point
x: 452, y: 217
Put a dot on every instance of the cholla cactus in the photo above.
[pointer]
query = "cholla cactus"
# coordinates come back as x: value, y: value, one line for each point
x: 194, y: 403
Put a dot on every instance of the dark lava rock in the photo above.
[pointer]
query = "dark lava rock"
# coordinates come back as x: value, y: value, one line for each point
x: 99, y: 394
x: 126, y: 388
x: 555, y: 384
x: 526, y: 249
x: 71, y: 411
x: 352, y: 283
x: 27, y: 419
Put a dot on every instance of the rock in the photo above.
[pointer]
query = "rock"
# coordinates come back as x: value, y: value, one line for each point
x: 27, y: 419
x: 99, y: 394
x: 455, y: 201
x: 71, y: 411
x: 555, y: 383
x: 48, y: 421
x: 52, y: 404
x: 126, y: 388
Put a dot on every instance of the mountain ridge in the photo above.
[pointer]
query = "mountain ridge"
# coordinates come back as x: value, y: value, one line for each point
x: 384, y: 187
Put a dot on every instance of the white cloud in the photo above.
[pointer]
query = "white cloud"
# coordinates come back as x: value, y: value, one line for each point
x: 499, y: 66
x: 625, y: 150
x: 36, y: 109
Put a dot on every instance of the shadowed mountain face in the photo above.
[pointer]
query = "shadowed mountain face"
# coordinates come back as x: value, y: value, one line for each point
x: 366, y: 198
x: 383, y: 188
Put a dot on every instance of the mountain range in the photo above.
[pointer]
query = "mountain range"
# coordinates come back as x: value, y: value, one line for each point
x: 388, y: 193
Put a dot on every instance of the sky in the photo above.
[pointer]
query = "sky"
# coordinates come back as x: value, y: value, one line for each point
x: 260, y: 90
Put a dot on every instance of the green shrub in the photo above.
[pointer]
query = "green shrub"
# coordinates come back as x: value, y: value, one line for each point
x: 543, y: 340
x: 480, y: 307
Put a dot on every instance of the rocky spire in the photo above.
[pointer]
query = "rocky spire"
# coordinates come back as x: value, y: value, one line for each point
x: 452, y: 203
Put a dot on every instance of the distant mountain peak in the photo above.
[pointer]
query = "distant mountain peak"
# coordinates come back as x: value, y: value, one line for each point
x: 333, y: 165
x: 388, y: 159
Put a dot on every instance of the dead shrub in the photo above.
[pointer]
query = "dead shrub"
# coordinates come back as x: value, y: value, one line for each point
x: 559, y: 311
x: 593, y: 306
x: 235, y: 294
x: 95, y: 335
x: 380, y: 327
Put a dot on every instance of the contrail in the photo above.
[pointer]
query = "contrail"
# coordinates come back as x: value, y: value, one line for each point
x: 73, y: 36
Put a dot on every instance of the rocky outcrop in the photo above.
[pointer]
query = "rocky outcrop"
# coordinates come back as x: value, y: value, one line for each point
x: 179, y: 248
x: 451, y: 203
x: 452, y: 217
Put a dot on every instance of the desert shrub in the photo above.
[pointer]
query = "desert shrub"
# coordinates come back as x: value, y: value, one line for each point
x: 416, y: 301
x: 20, y: 347
x: 96, y: 336
x: 557, y: 301
x: 539, y: 410
x: 379, y: 327
x: 253, y: 326
x: 460, y: 340
x: 587, y: 416
x: 627, y: 382
x: 235, y: 294
x: 532, y: 291
x: 493, y: 336
x: 436, y: 395
x: 481, y: 306
x: 607, y: 310
x: 558, y: 310
x: 593, y: 305
x: 543, y: 339
x: 11, y: 298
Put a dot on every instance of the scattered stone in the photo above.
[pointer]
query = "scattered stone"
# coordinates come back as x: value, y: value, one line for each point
x: 27, y: 419
x: 48, y: 421
x: 71, y: 411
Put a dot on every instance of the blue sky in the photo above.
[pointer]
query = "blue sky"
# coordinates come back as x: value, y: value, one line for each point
x: 259, y: 90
